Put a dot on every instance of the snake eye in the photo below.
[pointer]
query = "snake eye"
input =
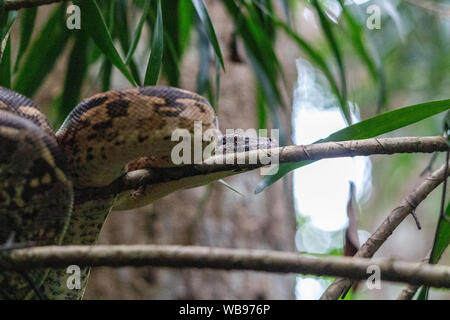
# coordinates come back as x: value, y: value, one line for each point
x: 224, y: 139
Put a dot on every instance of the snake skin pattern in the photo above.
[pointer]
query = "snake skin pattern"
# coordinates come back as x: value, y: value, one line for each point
x: 43, y: 174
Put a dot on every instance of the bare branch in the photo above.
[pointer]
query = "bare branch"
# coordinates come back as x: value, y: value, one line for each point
x: 220, y: 258
x: 388, y: 226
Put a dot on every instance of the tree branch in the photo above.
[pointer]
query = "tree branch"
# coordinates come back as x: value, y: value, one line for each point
x: 368, y: 249
x: 21, y: 4
x: 410, y: 290
x: 220, y: 258
x: 287, y: 154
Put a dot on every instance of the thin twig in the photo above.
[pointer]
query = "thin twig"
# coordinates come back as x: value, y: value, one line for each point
x: 224, y: 259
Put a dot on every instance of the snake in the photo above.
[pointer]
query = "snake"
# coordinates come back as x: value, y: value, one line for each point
x: 45, y: 175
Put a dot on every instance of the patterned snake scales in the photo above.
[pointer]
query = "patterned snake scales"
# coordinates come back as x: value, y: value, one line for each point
x: 43, y: 174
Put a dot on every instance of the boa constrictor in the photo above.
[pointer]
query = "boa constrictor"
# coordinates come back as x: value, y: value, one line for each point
x: 43, y: 175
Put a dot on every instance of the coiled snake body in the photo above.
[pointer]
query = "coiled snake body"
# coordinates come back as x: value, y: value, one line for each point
x: 43, y: 174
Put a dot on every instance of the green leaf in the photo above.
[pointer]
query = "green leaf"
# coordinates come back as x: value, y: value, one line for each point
x: 7, y: 19
x: 95, y: 25
x: 216, y: 99
x: 310, y: 52
x: 154, y: 62
x: 119, y: 29
x: 76, y: 72
x: 106, y: 67
x: 185, y: 22
x: 172, y: 48
x: 42, y: 55
x: 111, y: 14
x: 265, y: 80
x: 5, y: 65
x: 423, y: 293
x: 369, y: 128
x: 261, y: 108
x: 259, y: 12
x: 202, y: 13
x: 260, y: 37
x: 356, y: 35
x: 137, y: 33
x: 26, y: 26
x: 329, y: 35
x: 441, y: 242
x: 171, y: 59
x: 204, y: 59
x: 287, y: 11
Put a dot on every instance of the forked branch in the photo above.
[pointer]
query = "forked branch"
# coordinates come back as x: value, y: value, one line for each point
x: 368, y: 249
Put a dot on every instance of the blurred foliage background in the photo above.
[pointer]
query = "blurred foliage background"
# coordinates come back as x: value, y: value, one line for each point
x: 126, y: 43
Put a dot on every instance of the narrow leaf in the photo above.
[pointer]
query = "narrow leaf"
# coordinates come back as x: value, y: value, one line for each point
x: 441, y: 242
x: 260, y: 51
x: 42, y: 55
x: 154, y: 62
x: 5, y: 65
x: 185, y: 22
x: 356, y: 35
x: 261, y: 109
x: 369, y: 128
x: 119, y: 29
x: 137, y: 33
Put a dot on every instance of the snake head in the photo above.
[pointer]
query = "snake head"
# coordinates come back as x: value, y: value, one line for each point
x: 237, y: 142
